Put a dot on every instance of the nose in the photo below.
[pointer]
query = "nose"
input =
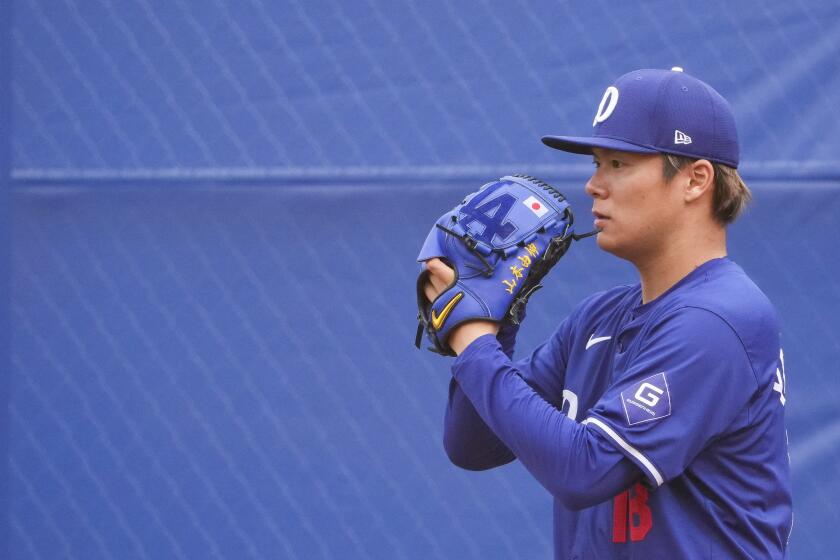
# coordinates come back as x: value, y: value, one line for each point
x: 595, y: 186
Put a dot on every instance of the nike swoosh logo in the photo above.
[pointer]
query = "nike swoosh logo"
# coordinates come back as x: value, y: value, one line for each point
x: 594, y: 341
x: 438, y: 320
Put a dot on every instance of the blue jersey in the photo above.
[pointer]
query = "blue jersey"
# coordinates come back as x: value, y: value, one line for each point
x: 659, y: 428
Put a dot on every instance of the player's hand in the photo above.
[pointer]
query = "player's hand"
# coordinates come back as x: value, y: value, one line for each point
x: 441, y: 276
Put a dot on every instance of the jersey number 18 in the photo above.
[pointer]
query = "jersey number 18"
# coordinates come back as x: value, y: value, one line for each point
x: 630, y: 509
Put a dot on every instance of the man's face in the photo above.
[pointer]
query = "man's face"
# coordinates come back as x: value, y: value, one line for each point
x: 634, y: 207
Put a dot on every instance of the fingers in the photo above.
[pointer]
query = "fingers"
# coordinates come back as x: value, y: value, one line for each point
x: 440, y: 269
x: 437, y: 282
x: 430, y: 291
x: 440, y: 277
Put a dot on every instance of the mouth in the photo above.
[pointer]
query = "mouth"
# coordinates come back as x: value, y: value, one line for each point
x: 599, y: 219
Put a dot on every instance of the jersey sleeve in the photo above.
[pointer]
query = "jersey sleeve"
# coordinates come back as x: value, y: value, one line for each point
x: 544, y: 368
x: 576, y: 464
x: 690, y: 380
x: 468, y: 441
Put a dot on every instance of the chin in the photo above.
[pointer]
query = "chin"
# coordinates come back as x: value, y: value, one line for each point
x: 605, y: 243
x: 608, y: 244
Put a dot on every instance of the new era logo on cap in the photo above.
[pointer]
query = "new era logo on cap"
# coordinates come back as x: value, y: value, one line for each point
x: 535, y: 206
x: 681, y: 137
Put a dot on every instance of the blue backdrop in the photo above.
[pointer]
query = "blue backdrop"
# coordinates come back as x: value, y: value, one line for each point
x: 210, y: 218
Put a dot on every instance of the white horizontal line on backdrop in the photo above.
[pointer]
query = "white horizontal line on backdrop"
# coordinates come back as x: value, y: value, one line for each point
x: 765, y: 170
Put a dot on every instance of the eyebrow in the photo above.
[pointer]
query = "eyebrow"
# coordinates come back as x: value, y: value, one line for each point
x: 605, y: 152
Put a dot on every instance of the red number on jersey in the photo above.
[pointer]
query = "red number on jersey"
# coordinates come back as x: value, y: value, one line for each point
x: 631, y: 511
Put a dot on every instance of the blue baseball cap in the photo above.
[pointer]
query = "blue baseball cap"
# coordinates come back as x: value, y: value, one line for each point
x: 660, y: 111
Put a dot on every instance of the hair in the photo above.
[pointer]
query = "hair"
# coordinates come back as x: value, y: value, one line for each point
x: 731, y: 194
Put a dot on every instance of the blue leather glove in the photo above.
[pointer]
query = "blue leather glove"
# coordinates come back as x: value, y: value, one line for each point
x: 501, y: 241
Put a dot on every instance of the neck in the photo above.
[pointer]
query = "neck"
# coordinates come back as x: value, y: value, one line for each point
x: 676, y: 261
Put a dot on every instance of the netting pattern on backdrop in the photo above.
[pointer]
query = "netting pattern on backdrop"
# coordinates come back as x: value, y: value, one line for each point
x: 214, y: 218
x: 200, y: 374
x: 180, y: 396
x: 151, y: 89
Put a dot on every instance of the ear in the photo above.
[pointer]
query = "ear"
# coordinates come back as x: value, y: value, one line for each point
x: 701, y: 180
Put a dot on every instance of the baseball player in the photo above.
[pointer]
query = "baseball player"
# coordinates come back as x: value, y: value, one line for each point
x: 654, y: 414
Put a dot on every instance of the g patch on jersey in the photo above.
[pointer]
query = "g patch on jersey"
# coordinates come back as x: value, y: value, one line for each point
x: 647, y: 400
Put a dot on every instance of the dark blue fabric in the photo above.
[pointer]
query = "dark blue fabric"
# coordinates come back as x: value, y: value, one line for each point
x: 660, y: 110
x: 702, y: 362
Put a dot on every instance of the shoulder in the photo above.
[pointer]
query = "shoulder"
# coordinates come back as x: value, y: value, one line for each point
x: 723, y: 303
x: 725, y: 290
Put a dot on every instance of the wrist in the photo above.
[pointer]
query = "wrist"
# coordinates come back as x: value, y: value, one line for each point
x: 463, y: 335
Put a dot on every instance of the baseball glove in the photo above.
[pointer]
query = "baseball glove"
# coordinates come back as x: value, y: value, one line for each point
x: 501, y: 241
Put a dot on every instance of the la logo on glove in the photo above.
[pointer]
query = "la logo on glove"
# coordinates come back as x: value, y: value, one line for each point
x: 491, y: 215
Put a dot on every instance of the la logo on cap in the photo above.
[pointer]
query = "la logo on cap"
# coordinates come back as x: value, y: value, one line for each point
x: 607, y: 106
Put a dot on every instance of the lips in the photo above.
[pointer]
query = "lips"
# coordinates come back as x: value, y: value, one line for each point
x: 600, y: 219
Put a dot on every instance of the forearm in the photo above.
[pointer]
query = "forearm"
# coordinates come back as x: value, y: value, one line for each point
x: 469, y: 442
x: 573, y: 463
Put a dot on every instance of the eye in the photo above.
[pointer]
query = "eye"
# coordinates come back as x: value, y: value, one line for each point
x: 595, y: 163
x: 616, y: 164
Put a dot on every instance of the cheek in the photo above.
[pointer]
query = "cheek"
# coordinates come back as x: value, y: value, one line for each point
x: 640, y: 219
x: 651, y: 208
x: 636, y: 214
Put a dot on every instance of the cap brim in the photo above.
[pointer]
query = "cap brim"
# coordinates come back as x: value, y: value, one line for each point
x: 584, y: 144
